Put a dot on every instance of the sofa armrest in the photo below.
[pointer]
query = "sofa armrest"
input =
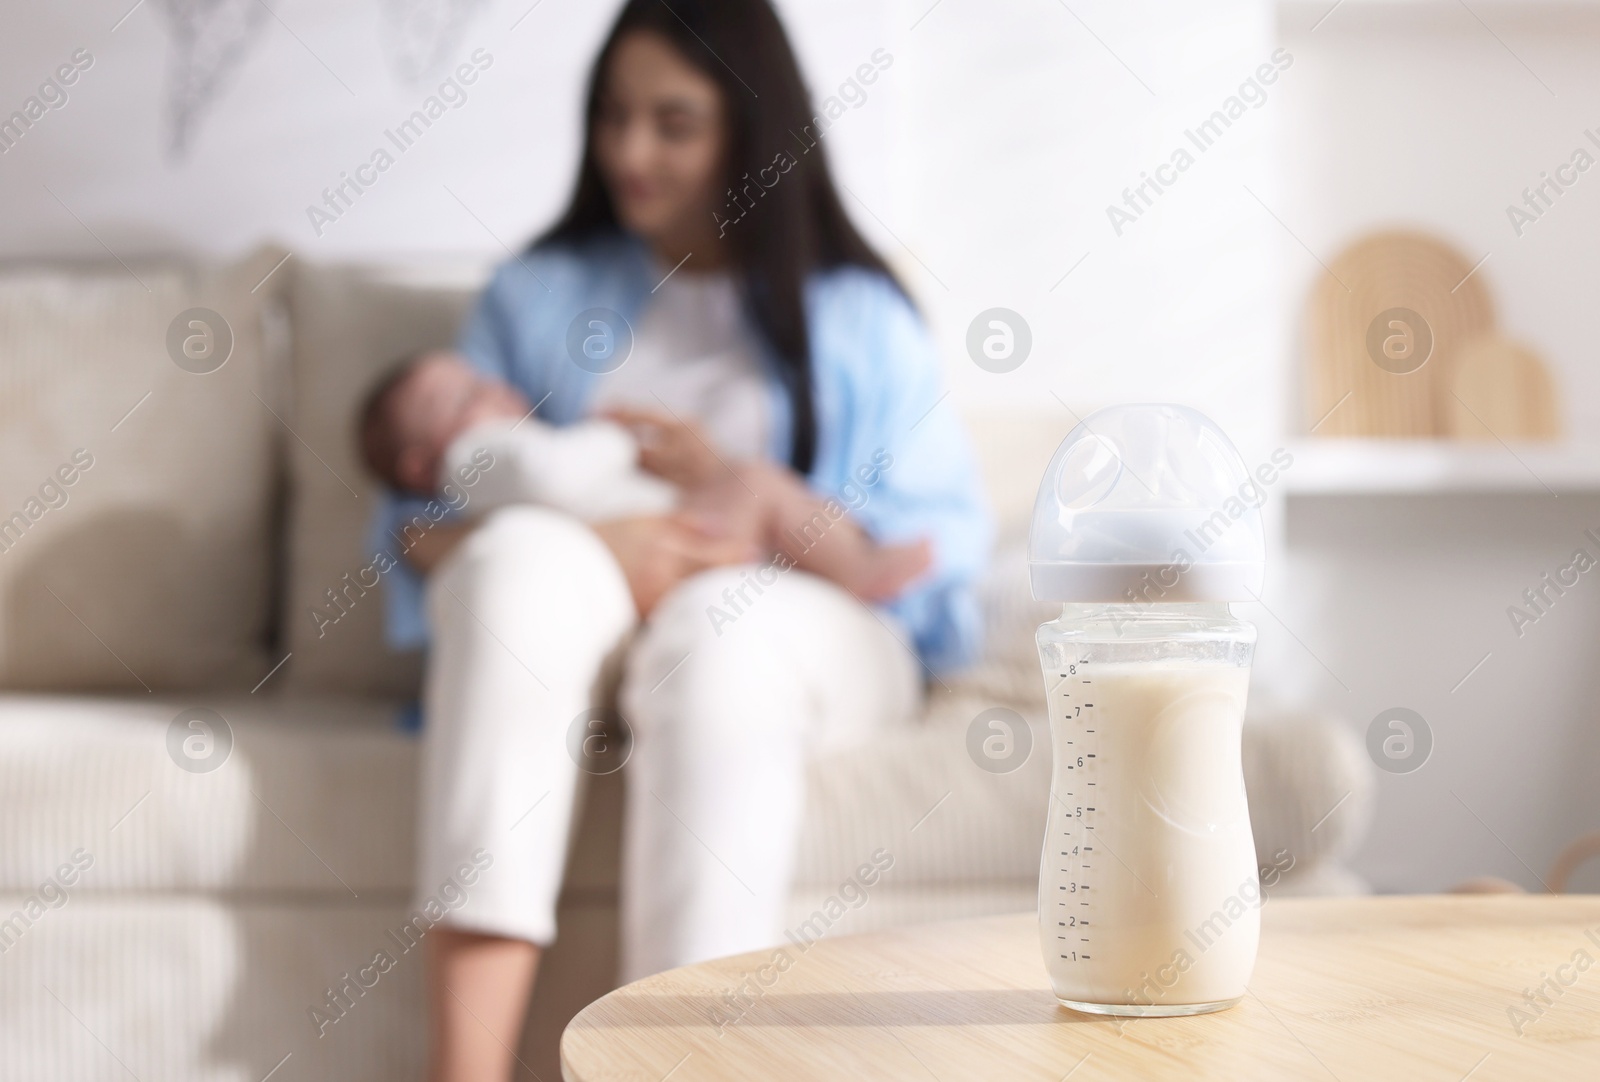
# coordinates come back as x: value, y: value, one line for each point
x: 1311, y: 791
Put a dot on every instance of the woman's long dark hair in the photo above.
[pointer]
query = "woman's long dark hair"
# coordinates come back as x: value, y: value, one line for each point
x: 797, y: 224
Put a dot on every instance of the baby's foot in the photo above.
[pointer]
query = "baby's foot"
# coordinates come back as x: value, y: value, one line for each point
x: 886, y: 569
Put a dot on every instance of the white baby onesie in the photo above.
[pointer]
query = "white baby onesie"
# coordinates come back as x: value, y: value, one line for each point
x: 589, y: 470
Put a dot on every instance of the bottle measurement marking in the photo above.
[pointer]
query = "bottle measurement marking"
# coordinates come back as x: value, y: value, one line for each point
x: 1079, y: 871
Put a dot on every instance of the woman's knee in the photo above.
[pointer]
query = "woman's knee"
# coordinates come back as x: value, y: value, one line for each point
x: 695, y: 663
x: 527, y: 559
x: 700, y: 612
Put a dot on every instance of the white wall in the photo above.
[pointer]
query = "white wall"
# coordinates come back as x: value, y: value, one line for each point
x: 991, y: 148
x: 1415, y: 113
x: 1020, y: 128
x: 285, y: 126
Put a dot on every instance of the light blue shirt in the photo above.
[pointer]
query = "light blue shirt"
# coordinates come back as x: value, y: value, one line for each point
x: 877, y: 392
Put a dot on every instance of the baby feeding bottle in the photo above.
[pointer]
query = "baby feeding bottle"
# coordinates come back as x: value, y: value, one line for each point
x: 1146, y: 525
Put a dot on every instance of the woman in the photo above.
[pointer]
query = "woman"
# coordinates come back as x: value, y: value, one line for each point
x: 764, y: 328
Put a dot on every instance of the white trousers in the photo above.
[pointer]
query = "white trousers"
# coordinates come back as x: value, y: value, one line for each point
x: 739, y: 677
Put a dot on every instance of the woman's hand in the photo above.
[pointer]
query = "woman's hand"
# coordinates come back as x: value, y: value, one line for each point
x: 674, y: 450
x: 657, y: 552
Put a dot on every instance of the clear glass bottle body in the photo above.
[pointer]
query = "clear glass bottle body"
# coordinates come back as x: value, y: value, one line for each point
x: 1149, y: 901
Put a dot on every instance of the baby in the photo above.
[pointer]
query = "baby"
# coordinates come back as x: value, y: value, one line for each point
x: 435, y: 413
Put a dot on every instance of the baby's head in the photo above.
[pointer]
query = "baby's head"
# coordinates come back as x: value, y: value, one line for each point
x: 411, y: 416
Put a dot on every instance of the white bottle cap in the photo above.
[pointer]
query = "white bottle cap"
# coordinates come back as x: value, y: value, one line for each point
x: 1147, y: 503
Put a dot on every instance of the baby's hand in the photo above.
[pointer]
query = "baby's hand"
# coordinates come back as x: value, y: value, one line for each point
x: 672, y: 449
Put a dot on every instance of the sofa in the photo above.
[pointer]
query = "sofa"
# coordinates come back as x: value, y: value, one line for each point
x: 206, y: 793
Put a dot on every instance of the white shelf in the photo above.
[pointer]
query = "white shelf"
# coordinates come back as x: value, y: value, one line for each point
x: 1353, y: 467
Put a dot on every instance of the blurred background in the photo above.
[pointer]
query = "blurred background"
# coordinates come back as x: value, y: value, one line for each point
x: 1433, y: 155
x: 982, y: 163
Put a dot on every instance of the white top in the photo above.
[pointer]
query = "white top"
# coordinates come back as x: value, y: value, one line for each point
x: 694, y: 355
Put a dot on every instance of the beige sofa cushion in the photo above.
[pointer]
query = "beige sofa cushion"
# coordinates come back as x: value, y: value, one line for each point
x: 153, y: 569
x: 312, y: 797
x: 317, y: 797
x: 350, y: 325
x: 207, y: 989
x: 1013, y: 450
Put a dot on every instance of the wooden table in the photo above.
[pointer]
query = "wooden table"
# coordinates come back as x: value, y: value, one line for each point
x: 1415, y: 989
